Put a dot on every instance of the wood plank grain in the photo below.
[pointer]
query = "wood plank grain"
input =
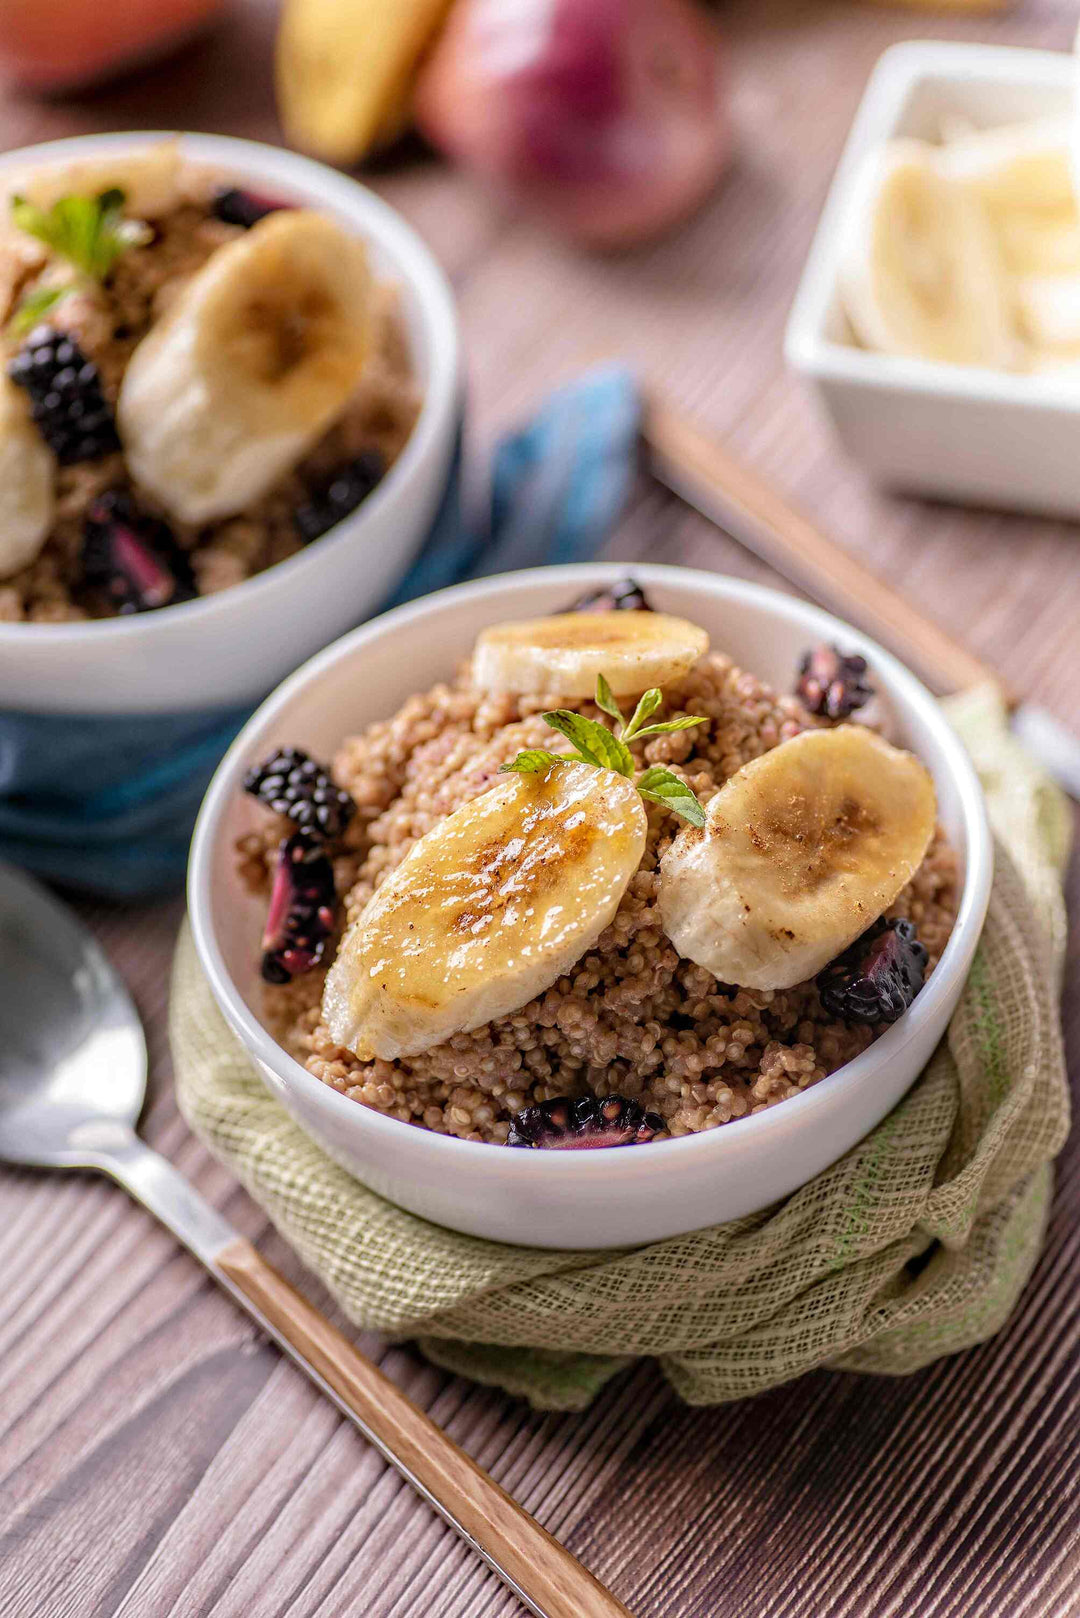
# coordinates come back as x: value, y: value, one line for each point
x: 155, y: 1460
x: 527, y: 1556
x: 704, y: 472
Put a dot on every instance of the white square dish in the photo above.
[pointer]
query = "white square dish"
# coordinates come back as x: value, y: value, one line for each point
x: 950, y: 431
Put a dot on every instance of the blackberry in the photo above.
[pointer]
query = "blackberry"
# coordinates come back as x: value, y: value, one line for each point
x: 234, y: 206
x: 625, y: 595
x: 831, y: 683
x: 290, y: 783
x: 564, y: 1125
x: 66, y: 396
x: 132, y: 558
x: 351, y: 485
x: 878, y: 977
x: 303, y: 901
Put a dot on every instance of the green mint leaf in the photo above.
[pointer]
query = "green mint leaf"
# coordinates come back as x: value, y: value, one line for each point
x: 534, y: 761
x: 647, y: 705
x: 34, y: 307
x: 605, y: 700
x: 89, y: 232
x: 662, y: 786
x: 667, y: 725
x: 594, y: 742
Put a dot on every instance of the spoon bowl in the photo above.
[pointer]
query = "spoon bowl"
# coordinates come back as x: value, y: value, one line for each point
x: 72, y: 1052
x: 72, y: 1083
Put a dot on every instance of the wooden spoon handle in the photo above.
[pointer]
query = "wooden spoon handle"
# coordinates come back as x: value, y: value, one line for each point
x: 731, y: 495
x: 543, y: 1575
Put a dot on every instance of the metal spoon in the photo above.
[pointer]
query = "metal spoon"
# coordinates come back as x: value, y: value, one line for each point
x: 72, y: 1083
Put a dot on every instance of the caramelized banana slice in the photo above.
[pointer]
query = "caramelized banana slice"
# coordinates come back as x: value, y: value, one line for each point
x: 259, y: 354
x: 487, y: 911
x: 565, y: 653
x: 27, y: 484
x: 803, y: 848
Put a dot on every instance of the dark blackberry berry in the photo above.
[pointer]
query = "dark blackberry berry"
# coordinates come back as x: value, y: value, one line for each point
x: 832, y: 684
x: 66, y: 397
x: 351, y: 485
x: 131, y: 558
x: 303, y: 901
x: 290, y: 783
x: 623, y: 596
x: 234, y: 206
x: 878, y: 977
x: 563, y: 1125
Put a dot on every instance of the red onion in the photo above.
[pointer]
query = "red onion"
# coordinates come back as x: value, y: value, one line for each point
x: 606, y: 116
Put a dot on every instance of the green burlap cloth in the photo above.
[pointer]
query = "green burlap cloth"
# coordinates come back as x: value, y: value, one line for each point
x: 915, y: 1244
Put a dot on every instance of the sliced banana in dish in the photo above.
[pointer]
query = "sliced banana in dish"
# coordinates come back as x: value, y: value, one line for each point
x: 1013, y: 165
x: 487, y: 911
x: 802, y: 850
x: 1049, y: 310
x: 922, y: 273
x: 565, y: 653
x: 1022, y: 175
x: 258, y: 355
x: 346, y: 69
x: 27, y: 483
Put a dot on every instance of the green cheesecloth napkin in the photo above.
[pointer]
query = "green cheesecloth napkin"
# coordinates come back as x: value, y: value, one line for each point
x: 958, y: 1177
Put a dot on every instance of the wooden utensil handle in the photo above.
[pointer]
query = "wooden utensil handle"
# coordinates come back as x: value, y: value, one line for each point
x: 540, y: 1571
x: 712, y: 480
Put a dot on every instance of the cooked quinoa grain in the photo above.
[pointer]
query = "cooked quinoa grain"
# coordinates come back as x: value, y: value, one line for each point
x: 632, y: 1018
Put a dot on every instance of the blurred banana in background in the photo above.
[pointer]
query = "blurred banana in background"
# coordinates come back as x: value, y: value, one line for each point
x: 346, y: 70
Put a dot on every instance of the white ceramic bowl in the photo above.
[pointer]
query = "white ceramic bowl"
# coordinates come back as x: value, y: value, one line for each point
x: 231, y: 648
x: 961, y: 432
x: 575, y: 1199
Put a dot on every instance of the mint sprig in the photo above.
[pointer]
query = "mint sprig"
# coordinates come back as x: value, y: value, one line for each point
x: 89, y: 233
x: 594, y: 744
x: 663, y: 786
x: 537, y: 761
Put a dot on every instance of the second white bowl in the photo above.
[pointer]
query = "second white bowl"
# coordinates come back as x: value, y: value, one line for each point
x: 576, y: 1199
x: 229, y: 649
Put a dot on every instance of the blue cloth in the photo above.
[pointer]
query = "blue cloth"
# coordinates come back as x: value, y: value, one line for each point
x: 107, y: 804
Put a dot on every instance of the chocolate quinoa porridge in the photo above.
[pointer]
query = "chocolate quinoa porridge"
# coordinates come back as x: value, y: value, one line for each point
x: 633, y: 1038
x: 113, y: 528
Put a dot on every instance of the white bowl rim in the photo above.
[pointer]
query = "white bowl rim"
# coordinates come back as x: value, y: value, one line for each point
x: 440, y: 395
x: 773, y: 1123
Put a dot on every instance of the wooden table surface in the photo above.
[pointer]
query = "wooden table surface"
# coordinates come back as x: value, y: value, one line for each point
x: 157, y: 1461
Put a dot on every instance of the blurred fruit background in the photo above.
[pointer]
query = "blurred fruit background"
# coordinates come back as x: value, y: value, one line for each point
x: 608, y: 117
x: 736, y: 111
